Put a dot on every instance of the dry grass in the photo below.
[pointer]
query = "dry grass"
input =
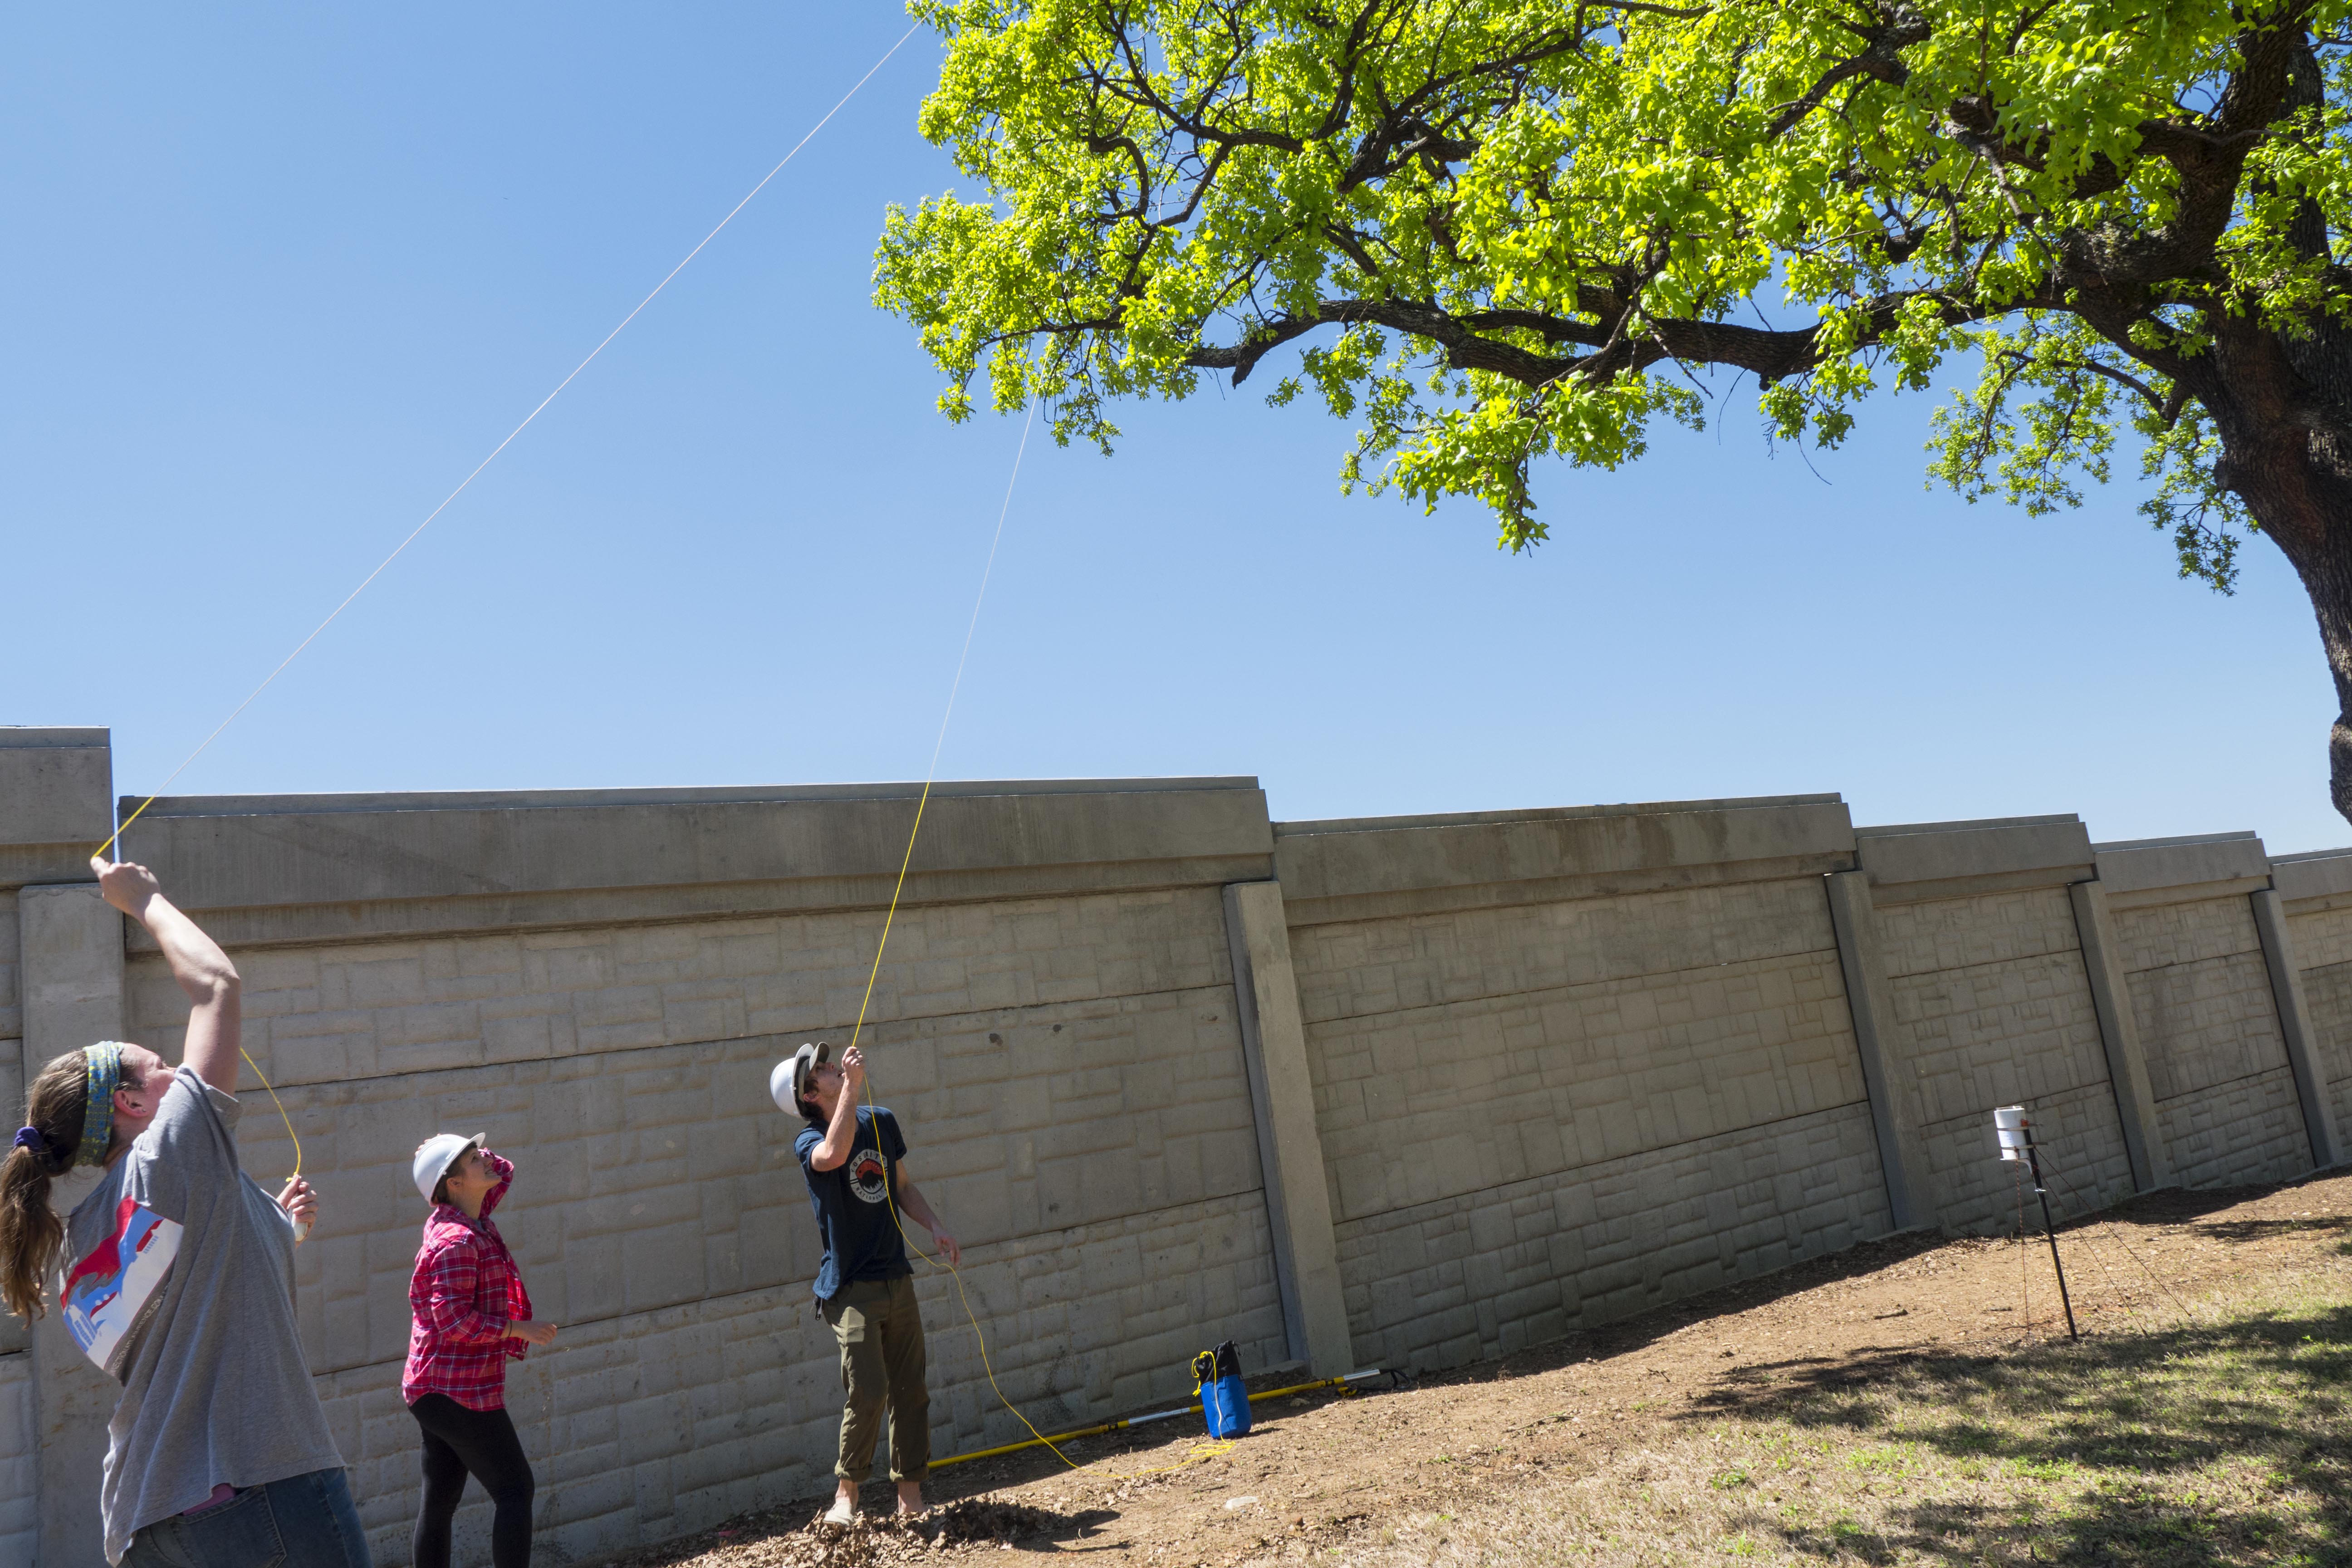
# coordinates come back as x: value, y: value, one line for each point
x: 2220, y: 1440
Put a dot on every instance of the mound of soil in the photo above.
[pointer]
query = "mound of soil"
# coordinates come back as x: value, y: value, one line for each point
x: 1325, y: 1471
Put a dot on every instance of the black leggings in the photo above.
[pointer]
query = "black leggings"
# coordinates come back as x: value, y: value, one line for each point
x: 456, y: 1441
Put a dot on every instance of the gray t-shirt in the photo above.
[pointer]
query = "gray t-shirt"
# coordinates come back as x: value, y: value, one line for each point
x: 179, y: 1283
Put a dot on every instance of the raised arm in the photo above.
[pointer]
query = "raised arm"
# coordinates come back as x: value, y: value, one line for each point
x: 841, y: 1127
x: 215, y: 1015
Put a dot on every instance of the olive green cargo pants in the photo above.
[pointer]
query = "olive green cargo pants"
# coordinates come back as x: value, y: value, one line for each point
x: 882, y: 1365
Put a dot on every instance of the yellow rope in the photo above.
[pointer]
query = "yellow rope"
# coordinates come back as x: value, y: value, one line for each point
x: 276, y: 1102
x: 891, y: 916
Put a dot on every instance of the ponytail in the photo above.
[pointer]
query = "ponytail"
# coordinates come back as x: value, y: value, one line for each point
x: 30, y: 1231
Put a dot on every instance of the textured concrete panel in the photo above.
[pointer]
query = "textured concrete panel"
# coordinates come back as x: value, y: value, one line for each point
x: 70, y: 950
x: 1440, y: 1101
x: 657, y: 1177
x: 2239, y: 1133
x: 648, y: 1426
x: 12, y: 1010
x: 363, y: 1010
x: 2217, y: 1059
x: 1483, y: 1274
x: 14, y: 1333
x: 1362, y: 968
x: 2083, y: 1156
x: 20, y: 1503
x: 2166, y: 936
x: 2207, y: 1022
x: 1992, y: 998
x: 2322, y: 937
x: 1984, y: 931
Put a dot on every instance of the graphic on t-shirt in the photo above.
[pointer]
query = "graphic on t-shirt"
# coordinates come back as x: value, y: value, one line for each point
x: 868, y: 1177
x: 110, y: 1288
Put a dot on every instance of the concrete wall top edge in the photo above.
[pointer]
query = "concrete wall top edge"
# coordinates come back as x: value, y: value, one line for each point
x: 1952, y: 852
x: 1528, y: 849
x: 281, y: 860
x: 557, y: 799
x: 2144, y: 864
x: 2312, y: 874
x: 33, y: 736
x: 1544, y: 813
x: 1977, y: 825
x: 2113, y: 844
x: 55, y: 792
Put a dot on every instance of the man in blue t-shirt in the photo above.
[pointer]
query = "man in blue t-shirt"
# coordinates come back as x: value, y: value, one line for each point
x: 854, y: 1159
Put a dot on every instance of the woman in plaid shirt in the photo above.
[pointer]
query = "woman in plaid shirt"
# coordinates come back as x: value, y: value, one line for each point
x: 473, y: 1316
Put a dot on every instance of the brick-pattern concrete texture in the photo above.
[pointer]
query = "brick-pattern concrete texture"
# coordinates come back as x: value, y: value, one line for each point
x: 1456, y: 1053
x: 1549, y: 1067
x: 1991, y: 998
x: 19, y: 1499
x: 1068, y: 1075
x: 1540, y: 1112
x: 1489, y: 1273
x: 2215, y: 1057
x: 650, y: 1425
x: 2322, y: 946
x: 12, y: 1012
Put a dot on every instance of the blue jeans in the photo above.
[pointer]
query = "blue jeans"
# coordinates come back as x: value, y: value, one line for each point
x: 303, y: 1522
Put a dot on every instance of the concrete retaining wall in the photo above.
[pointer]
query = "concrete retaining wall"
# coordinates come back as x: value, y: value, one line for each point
x: 1992, y: 1005
x: 1568, y: 1065
x: 2316, y: 890
x: 1406, y: 1091
x: 2208, y: 1018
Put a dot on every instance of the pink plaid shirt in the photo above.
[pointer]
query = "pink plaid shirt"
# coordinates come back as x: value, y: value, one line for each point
x: 464, y: 1291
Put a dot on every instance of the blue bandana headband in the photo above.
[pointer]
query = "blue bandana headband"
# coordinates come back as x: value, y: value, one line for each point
x: 103, y: 1062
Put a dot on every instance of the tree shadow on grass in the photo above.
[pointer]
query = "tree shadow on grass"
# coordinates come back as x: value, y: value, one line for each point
x: 2201, y: 1445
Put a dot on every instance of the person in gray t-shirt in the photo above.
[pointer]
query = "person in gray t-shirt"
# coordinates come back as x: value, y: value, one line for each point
x: 176, y: 1277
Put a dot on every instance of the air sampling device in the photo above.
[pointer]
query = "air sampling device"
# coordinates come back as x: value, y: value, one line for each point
x: 1223, y: 1400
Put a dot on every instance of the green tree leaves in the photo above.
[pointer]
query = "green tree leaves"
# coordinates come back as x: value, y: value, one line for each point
x: 1503, y: 231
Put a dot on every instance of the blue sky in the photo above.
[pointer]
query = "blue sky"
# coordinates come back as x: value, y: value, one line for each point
x: 279, y: 281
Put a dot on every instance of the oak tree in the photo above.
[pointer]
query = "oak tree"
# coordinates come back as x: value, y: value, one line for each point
x: 1504, y: 230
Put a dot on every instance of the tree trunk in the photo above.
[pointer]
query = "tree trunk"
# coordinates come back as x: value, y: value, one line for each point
x: 2297, y: 483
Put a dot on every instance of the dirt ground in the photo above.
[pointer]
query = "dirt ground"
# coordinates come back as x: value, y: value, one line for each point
x: 1323, y: 1474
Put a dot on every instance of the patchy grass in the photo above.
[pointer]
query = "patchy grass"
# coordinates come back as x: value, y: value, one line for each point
x: 2218, y: 1441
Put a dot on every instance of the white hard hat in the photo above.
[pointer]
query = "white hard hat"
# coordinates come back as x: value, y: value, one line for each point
x: 786, y: 1079
x: 434, y: 1157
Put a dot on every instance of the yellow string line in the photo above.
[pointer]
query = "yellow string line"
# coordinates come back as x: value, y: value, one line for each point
x: 278, y: 1103
x: 954, y: 687
x: 502, y: 446
x: 891, y: 915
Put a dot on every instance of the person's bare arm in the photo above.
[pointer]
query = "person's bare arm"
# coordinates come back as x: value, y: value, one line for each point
x: 841, y: 1132
x: 215, y: 1011
x: 919, y: 1209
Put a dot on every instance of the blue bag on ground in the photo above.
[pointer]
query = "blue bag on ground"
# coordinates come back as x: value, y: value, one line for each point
x: 1223, y: 1400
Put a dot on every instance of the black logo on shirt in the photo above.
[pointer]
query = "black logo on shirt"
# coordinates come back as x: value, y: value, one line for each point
x: 868, y: 1177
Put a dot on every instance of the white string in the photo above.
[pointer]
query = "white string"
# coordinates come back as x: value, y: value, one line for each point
x: 981, y: 597
x: 534, y: 414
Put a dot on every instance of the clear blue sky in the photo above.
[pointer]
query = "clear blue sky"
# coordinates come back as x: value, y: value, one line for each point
x: 278, y: 280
